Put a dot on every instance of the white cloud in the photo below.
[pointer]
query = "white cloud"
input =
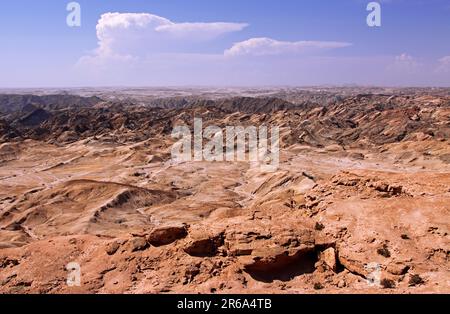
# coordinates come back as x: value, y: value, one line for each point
x: 405, y: 59
x: 135, y: 38
x: 145, y: 49
x: 127, y: 35
x: 405, y: 63
x: 267, y: 46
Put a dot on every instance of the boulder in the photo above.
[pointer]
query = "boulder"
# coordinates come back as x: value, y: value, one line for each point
x: 112, y: 248
x: 204, y: 245
x: 138, y: 244
x: 329, y: 258
x: 167, y: 234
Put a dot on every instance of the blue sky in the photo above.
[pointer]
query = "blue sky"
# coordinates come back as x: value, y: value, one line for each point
x: 259, y: 42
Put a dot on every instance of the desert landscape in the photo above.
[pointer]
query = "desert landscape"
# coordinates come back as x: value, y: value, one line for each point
x: 360, y: 202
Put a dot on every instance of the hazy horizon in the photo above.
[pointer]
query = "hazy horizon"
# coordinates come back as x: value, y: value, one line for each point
x: 206, y: 87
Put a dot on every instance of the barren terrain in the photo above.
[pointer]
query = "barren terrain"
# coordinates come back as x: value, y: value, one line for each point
x: 364, y: 180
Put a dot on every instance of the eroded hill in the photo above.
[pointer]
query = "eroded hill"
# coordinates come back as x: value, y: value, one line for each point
x: 362, y: 192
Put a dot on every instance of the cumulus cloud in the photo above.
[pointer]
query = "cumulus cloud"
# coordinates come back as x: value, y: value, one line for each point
x: 146, y: 49
x: 267, y: 46
x: 133, y: 38
x: 122, y: 36
x: 405, y: 63
x: 405, y: 58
